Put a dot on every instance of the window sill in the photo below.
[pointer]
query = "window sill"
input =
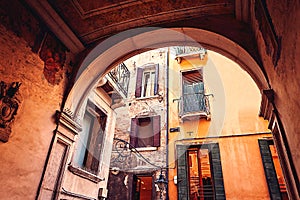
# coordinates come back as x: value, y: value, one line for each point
x: 147, y: 98
x: 146, y: 148
x: 85, y: 174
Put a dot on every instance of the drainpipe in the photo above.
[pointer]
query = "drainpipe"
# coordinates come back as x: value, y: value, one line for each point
x: 167, y: 124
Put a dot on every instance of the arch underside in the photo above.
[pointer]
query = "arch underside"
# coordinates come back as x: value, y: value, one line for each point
x: 132, y: 42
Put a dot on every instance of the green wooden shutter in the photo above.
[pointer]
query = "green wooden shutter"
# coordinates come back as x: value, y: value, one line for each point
x: 182, y: 173
x: 216, y: 169
x: 269, y: 170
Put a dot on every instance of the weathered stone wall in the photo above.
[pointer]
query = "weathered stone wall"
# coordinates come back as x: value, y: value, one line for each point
x: 137, y: 106
x: 123, y: 182
x: 132, y: 163
x: 23, y: 157
x: 284, y: 78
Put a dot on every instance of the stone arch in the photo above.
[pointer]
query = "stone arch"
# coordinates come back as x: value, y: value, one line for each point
x: 126, y: 44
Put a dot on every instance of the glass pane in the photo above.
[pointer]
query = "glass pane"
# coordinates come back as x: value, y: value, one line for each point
x: 83, y: 140
x: 200, y: 179
x: 194, y: 175
x: 152, y: 83
x: 146, y: 84
x: 145, y: 132
x: 207, y: 186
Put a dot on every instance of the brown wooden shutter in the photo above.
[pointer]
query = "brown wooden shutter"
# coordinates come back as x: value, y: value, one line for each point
x: 133, y: 132
x: 270, y: 172
x: 139, y: 79
x: 156, y: 130
x: 156, y: 80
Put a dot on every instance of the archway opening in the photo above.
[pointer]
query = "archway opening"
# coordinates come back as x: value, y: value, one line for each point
x: 126, y: 44
x: 102, y: 61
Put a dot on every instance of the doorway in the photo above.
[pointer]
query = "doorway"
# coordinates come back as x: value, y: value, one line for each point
x: 142, y: 187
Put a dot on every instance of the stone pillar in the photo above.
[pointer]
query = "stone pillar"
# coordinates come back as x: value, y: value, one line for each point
x: 63, y: 139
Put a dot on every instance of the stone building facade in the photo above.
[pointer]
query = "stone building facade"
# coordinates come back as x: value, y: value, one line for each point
x: 136, y: 167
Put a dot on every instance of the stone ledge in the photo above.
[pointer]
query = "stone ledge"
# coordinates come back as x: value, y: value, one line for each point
x: 85, y: 174
x: 146, y: 149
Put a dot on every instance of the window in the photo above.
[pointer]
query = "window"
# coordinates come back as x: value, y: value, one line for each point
x: 145, y: 132
x: 193, y: 98
x: 273, y: 171
x: 90, y: 140
x: 200, y: 172
x: 147, y: 81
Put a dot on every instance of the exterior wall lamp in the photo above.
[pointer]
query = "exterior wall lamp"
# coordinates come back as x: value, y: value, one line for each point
x: 161, y: 183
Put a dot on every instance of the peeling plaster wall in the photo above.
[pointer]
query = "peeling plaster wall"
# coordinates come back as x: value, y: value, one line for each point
x: 135, y: 106
x: 23, y: 157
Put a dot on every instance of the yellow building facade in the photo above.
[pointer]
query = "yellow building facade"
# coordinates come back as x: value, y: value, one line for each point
x: 214, y: 130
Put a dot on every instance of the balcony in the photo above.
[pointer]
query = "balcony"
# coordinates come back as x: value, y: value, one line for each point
x: 186, y: 52
x: 119, y: 78
x: 194, y: 106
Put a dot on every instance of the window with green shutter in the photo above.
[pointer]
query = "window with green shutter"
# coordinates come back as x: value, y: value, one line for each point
x: 273, y: 172
x: 199, y: 172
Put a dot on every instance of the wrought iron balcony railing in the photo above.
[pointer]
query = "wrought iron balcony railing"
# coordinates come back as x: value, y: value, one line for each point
x: 121, y: 76
x: 194, y: 105
x: 183, y: 50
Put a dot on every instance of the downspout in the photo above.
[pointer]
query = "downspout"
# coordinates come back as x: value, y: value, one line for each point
x: 167, y: 124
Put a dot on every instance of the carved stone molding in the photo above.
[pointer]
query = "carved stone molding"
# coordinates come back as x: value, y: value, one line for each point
x: 85, y: 174
x: 9, y: 105
x: 67, y: 126
x: 266, y: 107
x: 266, y: 27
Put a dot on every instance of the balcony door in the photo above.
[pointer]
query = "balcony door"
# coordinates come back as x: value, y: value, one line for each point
x: 193, y: 91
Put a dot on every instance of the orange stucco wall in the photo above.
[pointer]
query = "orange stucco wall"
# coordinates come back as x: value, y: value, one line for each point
x: 234, y: 124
